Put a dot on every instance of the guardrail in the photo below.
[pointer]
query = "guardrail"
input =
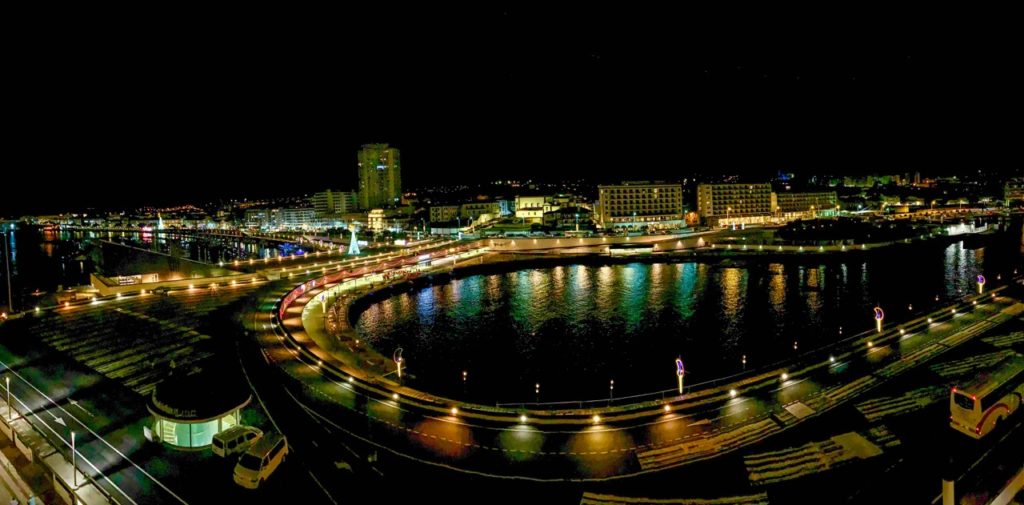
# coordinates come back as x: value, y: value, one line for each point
x: 68, y: 491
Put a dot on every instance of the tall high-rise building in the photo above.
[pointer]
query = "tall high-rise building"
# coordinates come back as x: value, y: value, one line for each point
x: 380, y: 176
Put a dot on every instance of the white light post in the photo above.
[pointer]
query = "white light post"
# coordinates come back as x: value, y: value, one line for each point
x: 10, y: 417
x: 397, y: 357
x: 679, y: 374
x: 74, y: 466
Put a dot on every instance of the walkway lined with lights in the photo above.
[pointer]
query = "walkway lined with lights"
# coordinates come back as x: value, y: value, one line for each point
x: 604, y: 443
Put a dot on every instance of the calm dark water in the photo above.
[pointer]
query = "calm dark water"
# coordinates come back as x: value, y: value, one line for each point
x: 575, y: 328
x: 42, y: 261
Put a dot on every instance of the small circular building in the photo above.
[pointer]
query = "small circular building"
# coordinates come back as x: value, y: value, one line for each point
x: 189, y: 409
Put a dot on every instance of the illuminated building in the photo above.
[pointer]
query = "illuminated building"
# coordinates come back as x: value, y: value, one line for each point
x: 376, y: 220
x: 1013, y: 192
x: 641, y: 203
x: 380, y: 176
x: 189, y: 410
x: 735, y: 204
x: 805, y: 205
x: 334, y: 203
x: 476, y: 209
x: 531, y: 209
x: 296, y: 218
x: 443, y: 213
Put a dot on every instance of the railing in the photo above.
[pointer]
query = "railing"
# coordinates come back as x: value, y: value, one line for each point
x: 59, y: 445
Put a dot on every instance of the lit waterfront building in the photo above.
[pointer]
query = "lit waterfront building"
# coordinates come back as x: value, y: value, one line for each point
x: 260, y: 218
x: 334, y: 203
x: 303, y: 217
x: 641, y: 203
x: 735, y: 204
x: 806, y: 205
x: 380, y: 176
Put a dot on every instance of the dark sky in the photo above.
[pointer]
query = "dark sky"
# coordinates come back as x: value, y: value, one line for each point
x: 172, y: 107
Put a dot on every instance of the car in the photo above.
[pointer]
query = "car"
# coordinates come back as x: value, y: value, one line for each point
x: 235, y: 439
x: 260, y: 460
x: 161, y: 291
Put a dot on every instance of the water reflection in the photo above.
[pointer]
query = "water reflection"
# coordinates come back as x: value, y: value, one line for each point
x: 574, y: 327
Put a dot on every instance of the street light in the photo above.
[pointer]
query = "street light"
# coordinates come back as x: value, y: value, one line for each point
x: 74, y: 466
x: 9, y: 415
x: 679, y: 373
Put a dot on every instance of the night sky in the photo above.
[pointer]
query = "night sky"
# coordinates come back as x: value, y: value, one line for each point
x: 169, y: 108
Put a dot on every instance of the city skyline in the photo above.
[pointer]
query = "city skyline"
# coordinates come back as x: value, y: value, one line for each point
x: 540, y: 92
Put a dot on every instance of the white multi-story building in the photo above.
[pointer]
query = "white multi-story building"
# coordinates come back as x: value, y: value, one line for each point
x: 735, y: 204
x: 641, y: 204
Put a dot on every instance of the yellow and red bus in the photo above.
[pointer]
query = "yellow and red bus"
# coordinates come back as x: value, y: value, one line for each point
x: 978, y: 405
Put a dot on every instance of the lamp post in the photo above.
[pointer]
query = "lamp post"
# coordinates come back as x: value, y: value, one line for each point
x: 679, y: 374
x: 611, y: 389
x: 10, y: 417
x: 397, y: 357
x: 74, y: 465
x: 981, y: 283
x: 879, y: 316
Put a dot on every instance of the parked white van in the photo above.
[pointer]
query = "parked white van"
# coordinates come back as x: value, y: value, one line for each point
x: 235, y: 439
x: 256, y: 465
